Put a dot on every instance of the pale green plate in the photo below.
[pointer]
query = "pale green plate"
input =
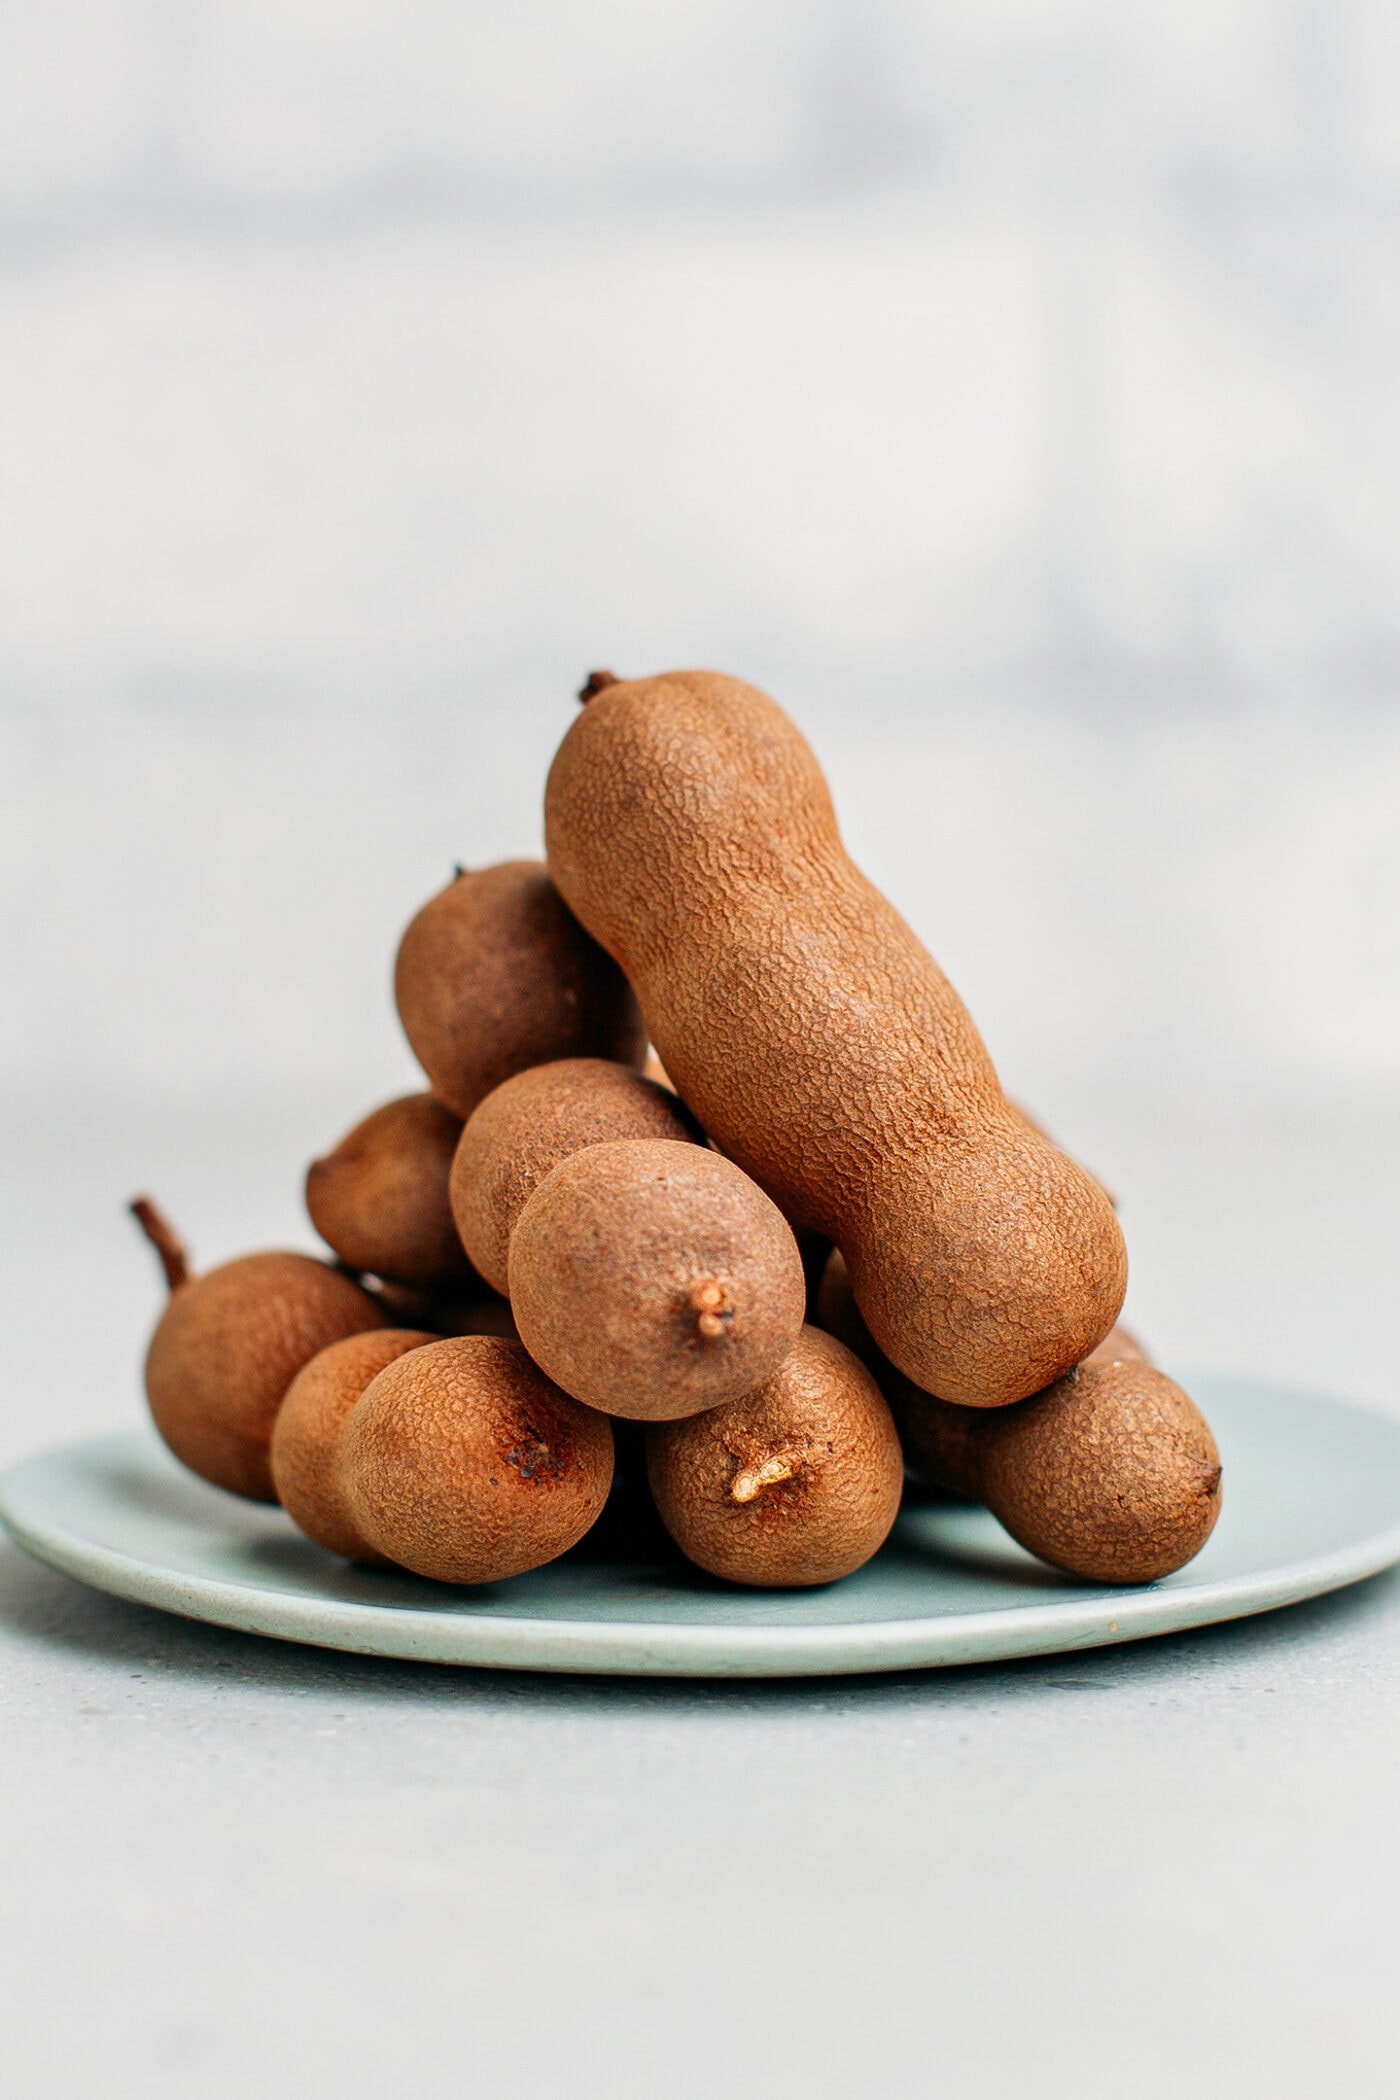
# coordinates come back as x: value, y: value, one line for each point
x: 1312, y: 1501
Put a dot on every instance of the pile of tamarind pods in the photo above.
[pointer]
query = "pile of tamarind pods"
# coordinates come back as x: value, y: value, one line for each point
x: 748, y: 1284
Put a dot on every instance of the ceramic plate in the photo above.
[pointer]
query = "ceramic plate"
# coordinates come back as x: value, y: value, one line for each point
x: 1312, y: 1501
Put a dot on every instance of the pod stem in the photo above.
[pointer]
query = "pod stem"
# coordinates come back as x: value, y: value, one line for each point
x: 596, y: 682
x: 709, y: 1301
x: 750, y: 1481
x: 164, y: 1238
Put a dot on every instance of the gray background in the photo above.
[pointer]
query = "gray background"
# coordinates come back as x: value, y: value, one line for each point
x: 1009, y: 388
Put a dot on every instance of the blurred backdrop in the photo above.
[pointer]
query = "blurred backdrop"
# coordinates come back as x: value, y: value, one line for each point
x: 1009, y: 388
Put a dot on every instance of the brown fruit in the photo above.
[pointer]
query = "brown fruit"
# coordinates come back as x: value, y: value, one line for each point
x: 380, y: 1198
x: 836, y: 1311
x: 529, y: 1125
x: 1032, y: 1123
x: 229, y: 1344
x: 939, y: 1439
x: 1112, y: 1474
x: 945, y: 1445
x: 462, y: 1462
x: 794, y: 1484
x: 495, y: 974
x: 651, y: 1279
x: 942, y: 1443
x: 306, y: 1435
x: 690, y: 829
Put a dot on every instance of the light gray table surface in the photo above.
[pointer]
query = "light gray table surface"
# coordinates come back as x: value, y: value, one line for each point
x: 1151, y: 1868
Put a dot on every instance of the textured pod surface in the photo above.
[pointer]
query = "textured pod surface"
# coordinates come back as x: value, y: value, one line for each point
x: 306, y: 1434
x: 651, y: 1279
x: 226, y: 1349
x: 380, y: 1198
x: 495, y: 974
x: 940, y: 1441
x: 530, y: 1125
x: 691, y: 830
x: 794, y: 1484
x: 462, y: 1462
x: 1112, y: 1474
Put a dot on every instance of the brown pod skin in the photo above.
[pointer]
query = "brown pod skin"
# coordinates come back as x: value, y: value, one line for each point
x: 941, y: 1442
x: 495, y: 974
x: 690, y: 829
x: 463, y: 1463
x: 1032, y: 1123
x: 1112, y: 1474
x: 229, y: 1344
x: 652, y: 1279
x: 380, y: 1198
x: 528, y: 1126
x: 834, y: 1308
x: 306, y: 1435
x: 796, y: 1483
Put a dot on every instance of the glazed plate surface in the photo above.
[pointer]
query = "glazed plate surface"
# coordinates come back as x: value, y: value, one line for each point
x: 1311, y: 1502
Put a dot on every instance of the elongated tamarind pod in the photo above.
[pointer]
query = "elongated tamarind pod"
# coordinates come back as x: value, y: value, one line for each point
x: 689, y: 828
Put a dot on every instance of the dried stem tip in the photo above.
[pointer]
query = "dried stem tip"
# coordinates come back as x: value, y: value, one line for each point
x: 709, y: 1301
x: 164, y: 1238
x: 597, y: 682
x: 748, y: 1484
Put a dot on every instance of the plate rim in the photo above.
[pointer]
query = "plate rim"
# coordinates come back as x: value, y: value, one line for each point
x: 631, y: 1647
